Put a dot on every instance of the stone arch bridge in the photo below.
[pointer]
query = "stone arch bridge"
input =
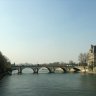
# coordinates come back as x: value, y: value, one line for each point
x: 51, y: 68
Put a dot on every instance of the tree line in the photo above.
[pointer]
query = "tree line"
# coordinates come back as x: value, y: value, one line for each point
x: 5, y: 64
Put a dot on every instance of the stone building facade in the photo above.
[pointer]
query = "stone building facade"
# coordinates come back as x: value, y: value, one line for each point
x: 92, y: 56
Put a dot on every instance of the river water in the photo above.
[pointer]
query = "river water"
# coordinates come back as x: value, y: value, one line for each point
x: 45, y: 84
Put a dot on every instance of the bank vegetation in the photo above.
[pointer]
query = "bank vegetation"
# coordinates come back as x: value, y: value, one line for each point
x: 5, y: 65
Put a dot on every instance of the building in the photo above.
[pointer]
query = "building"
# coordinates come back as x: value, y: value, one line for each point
x: 92, y: 56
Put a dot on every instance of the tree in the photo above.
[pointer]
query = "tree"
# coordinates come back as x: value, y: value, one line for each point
x: 4, y: 63
x: 71, y: 62
x: 83, y: 57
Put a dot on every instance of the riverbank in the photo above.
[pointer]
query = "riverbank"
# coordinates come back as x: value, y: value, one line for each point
x: 90, y: 72
x: 4, y: 74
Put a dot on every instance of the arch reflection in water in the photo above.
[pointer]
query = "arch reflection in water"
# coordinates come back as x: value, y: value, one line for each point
x: 43, y: 70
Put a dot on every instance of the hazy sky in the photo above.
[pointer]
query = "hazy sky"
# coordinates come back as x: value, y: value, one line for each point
x: 39, y: 31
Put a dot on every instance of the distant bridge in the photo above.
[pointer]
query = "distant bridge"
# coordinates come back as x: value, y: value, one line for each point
x: 51, y: 68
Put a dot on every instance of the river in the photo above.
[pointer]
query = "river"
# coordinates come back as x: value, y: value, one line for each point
x: 45, y: 84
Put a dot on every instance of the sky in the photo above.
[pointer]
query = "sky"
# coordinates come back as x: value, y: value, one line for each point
x: 43, y: 31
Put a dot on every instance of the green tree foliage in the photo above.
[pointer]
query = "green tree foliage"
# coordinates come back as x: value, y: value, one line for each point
x: 5, y: 64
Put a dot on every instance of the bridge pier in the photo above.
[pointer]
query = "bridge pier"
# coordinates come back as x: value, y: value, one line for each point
x: 64, y: 69
x: 35, y: 70
x: 51, y: 70
x: 20, y: 70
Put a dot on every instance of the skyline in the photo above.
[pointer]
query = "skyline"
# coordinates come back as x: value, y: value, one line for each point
x: 43, y: 31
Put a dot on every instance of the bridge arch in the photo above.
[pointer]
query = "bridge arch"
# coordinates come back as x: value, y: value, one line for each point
x: 15, y: 71
x: 27, y: 70
x: 44, y: 70
x: 64, y: 69
x: 60, y: 70
x: 76, y: 69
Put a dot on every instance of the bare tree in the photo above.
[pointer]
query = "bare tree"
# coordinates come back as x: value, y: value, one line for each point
x: 83, y: 57
x: 71, y: 62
